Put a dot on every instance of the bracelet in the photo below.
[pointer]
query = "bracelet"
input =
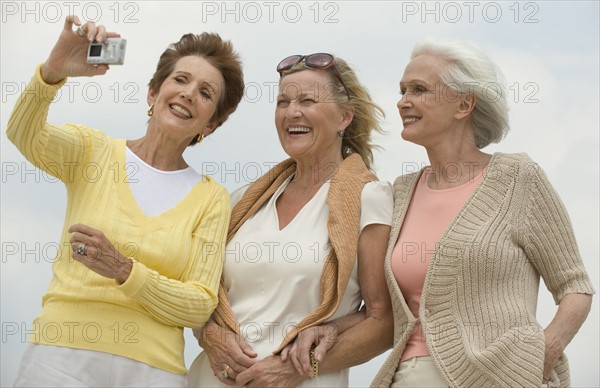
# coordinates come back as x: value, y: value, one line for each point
x: 313, y: 362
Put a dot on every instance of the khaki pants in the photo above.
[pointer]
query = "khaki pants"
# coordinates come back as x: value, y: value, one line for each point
x: 418, y: 372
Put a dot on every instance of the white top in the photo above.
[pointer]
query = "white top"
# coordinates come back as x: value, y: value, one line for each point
x: 157, y: 191
x: 273, y: 276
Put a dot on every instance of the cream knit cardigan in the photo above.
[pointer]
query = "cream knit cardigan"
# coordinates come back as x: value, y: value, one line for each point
x: 479, y: 298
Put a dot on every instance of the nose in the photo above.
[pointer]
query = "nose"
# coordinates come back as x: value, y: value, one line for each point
x: 404, y: 102
x: 187, y: 92
x: 293, y: 110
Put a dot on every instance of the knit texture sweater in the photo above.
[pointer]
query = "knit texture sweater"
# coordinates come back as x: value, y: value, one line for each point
x: 480, y: 294
x: 177, y: 255
x: 343, y: 200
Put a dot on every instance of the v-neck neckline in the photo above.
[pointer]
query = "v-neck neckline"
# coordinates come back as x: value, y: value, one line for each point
x: 126, y: 196
x: 301, y: 211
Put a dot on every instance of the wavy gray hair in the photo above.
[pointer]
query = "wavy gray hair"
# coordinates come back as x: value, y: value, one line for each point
x: 469, y: 70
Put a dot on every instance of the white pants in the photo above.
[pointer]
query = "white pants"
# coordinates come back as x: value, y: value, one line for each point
x: 57, y: 366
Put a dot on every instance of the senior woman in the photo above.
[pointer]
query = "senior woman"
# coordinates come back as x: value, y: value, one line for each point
x: 472, y: 235
x: 146, y: 252
x: 306, y: 244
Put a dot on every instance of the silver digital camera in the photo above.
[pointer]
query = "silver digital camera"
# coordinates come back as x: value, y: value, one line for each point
x: 109, y: 52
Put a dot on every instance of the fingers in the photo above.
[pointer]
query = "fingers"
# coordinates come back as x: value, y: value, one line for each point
x: 80, y: 238
x: 70, y: 20
x: 88, y: 30
x: 230, y: 357
x: 100, y: 33
x: 93, y: 241
x: 91, y: 32
x: 90, y: 252
x: 284, y: 353
x: 247, y: 350
x: 320, y: 351
x: 225, y: 375
x: 77, y: 228
x: 79, y: 249
x: 113, y: 34
x: 84, y: 229
x: 302, y: 353
x: 243, y: 378
x: 304, y: 358
x: 241, y: 362
x: 83, y: 242
x: 545, y: 374
x: 295, y: 359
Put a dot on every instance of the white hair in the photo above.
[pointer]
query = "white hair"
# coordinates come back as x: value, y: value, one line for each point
x: 469, y: 70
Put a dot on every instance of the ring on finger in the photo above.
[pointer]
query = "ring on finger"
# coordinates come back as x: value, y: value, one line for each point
x: 81, y: 31
x: 224, y: 373
x: 80, y: 249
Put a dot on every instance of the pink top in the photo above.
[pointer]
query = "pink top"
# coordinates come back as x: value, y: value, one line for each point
x: 428, y: 216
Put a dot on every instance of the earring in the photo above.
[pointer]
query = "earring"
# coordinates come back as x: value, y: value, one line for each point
x: 150, y: 110
x: 199, y: 138
x: 340, y: 134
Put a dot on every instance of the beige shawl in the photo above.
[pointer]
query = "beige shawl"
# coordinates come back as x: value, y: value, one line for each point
x: 343, y: 200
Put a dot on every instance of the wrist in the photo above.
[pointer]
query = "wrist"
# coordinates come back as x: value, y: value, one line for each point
x: 209, y: 330
x: 49, y: 76
x: 126, y: 268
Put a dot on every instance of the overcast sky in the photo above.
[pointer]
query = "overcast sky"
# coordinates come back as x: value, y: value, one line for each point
x: 547, y: 50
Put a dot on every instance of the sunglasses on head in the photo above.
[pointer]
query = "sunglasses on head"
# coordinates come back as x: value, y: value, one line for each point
x: 321, y: 61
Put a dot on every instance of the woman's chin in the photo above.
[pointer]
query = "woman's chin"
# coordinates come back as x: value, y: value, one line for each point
x: 407, y: 135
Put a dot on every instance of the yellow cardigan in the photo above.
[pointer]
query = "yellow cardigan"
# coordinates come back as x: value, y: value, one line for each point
x: 178, y: 255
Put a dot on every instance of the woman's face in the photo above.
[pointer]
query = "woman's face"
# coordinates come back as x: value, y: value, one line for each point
x: 428, y: 108
x: 308, y: 117
x: 188, y: 98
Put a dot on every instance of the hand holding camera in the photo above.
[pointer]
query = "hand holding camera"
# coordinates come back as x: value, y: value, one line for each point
x: 109, y: 52
x: 69, y: 57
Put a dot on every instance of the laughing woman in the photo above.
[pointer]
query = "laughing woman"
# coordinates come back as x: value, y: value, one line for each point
x: 306, y: 245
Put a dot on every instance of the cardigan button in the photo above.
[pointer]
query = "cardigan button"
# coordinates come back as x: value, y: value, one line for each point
x: 427, y: 313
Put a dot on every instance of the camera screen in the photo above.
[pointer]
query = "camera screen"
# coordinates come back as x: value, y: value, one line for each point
x: 95, y: 50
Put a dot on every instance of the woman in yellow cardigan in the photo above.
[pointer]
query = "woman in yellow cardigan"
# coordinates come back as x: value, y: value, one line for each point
x: 147, y: 232
x: 471, y: 237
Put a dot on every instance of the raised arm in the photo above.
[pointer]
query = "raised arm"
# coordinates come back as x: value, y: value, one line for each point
x: 49, y: 147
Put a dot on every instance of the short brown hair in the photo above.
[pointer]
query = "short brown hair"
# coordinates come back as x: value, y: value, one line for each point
x: 218, y: 53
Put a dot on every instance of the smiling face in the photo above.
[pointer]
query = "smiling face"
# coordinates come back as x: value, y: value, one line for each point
x: 308, y: 118
x: 187, y: 99
x: 430, y: 111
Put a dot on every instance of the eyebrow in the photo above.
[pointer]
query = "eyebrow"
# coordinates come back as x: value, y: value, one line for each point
x: 299, y: 97
x: 414, y: 81
x: 204, y: 83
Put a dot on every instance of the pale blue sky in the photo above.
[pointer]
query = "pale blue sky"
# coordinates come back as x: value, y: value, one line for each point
x: 548, y: 51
